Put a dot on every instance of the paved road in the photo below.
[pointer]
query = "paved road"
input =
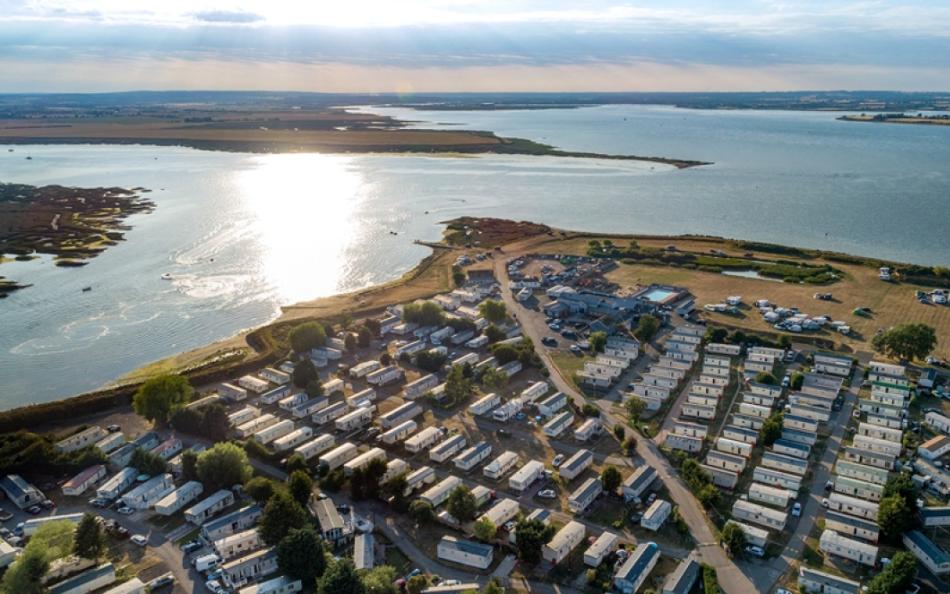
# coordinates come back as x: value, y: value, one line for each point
x: 732, y: 579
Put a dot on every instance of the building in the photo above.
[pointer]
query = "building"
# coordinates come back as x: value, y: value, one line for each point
x: 935, y: 447
x: 329, y: 520
x: 935, y: 559
x: 473, y: 456
x: 86, y: 437
x: 209, y: 506
x: 852, y: 526
x: 338, y: 456
x: 501, y: 465
x: 588, y: 429
x: 604, y: 544
x: 566, y: 539
x: 852, y: 505
x: 132, y: 586
x: 772, y: 519
x: 687, y: 443
x: 277, y: 585
x: 753, y: 534
x: 84, y: 481
x: 148, y: 493
x: 938, y: 421
x: 655, y: 515
x: 438, y: 493
x: 558, y: 424
x: 448, y: 448
x: 683, y: 577
x: 465, y: 552
x: 238, y: 544
x: 819, y: 582
x: 935, y: 516
x: 424, y: 439
x: 235, y: 521
x: 251, y: 567
x: 637, y: 483
x: 484, y: 404
x: 770, y: 495
x: 635, y: 569
x: 178, y: 498
x: 20, y: 492
x: 87, y: 581
x: 526, y: 475
x: 833, y: 543
x: 552, y: 404
x: 833, y: 364
x: 576, y: 464
x: 363, y: 551
x: 503, y: 511
x: 585, y: 495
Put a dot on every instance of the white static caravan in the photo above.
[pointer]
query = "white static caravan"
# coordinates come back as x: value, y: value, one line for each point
x: 835, y: 544
x: 398, y: 433
x: 585, y: 495
x: 275, y: 376
x: 748, y: 422
x: 275, y: 395
x: 419, y: 387
x: 179, y: 498
x: 588, y: 429
x: 362, y: 460
x: 84, y: 481
x: 338, y: 456
x: 886, y: 433
x: 394, y: 468
x: 424, y: 475
x: 448, y: 448
x: 385, y: 376
x: 880, y: 446
x: 354, y: 419
x: 858, y: 488
x: 410, y: 348
x: 552, y: 404
x: 438, y: 493
x: 860, y: 456
x: 777, y: 478
x: 503, y: 511
x: 275, y: 431
x: 31, y: 525
x: 232, y: 392
x: 289, y: 402
x: 526, y: 475
x: 754, y: 410
x: 401, y: 413
x: 333, y: 386
x: 689, y: 428
x: 253, y: 383
x: 596, y: 552
x: 256, y: 424
x: 719, y: 348
x: 687, y: 443
x: 721, y: 477
x: 501, y: 465
x: 477, y: 342
x: 506, y: 411
x: 558, y: 424
x: 638, y: 482
x: 743, y: 434
x: 86, y: 437
x: 330, y: 413
x: 111, y: 442
x: 244, y: 415
x: 470, y: 359
x: 363, y: 369
x: 471, y: 457
x: 731, y: 446
x: 238, y: 544
x: 566, y: 539
x: 249, y: 568
x: 697, y: 411
x: 784, y: 463
x: 293, y: 439
x: 576, y: 464
x: 862, y: 472
x: 441, y: 335
x: 801, y: 423
x: 484, y: 404
x: 315, y: 446
x: 424, y: 439
x: 852, y: 526
x: 361, y: 398
x: 117, y: 484
x: 534, y: 391
x: 770, y: 495
x: 702, y: 399
x: 309, y: 408
x: 725, y: 461
x: 145, y: 495
x: 168, y: 449
x: 655, y: 515
x: 753, y: 534
x: 852, y: 505
x: 822, y: 415
x: 200, y: 512
x: 766, y: 517
x: 791, y: 448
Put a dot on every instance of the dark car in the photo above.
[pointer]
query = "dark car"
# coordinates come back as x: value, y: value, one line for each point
x: 34, y: 510
x: 549, y: 341
x: 191, y: 546
x: 569, y: 334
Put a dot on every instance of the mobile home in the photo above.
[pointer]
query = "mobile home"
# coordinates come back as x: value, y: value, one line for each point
x: 526, y: 475
x: 399, y: 432
x: 362, y: 460
x: 448, y: 448
x: 424, y: 439
x: 501, y: 465
x: 209, y: 506
x: 315, y: 446
x: 404, y: 412
x: 338, y: 456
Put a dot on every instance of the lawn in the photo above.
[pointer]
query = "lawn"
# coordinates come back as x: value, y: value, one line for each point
x: 569, y: 363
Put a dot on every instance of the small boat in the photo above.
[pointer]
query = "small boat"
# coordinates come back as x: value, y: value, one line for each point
x: 29, y: 158
x: 167, y: 276
x: 86, y: 289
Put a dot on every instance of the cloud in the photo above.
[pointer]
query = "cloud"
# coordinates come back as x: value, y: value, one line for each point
x: 227, y: 16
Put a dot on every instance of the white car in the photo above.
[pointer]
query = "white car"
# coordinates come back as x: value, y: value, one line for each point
x: 797, y: 509
x: 215, y: 587
x: 557, y: 460
x: 547, y: 494
x: 139, y: 540
x: 126, y: 510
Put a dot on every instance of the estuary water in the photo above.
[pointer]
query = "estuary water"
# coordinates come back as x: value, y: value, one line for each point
x: 243, y: 234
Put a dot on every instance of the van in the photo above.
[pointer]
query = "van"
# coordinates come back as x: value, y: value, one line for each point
x: 206, y: 562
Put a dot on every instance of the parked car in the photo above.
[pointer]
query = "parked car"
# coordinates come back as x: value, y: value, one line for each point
x: 161, y: 581
x: 824, y: 503
x: 34, y: 510
x: 191, y: 546
x: 547, y: 494
x: 549, y: 341
x: 797, y: 510
x: 557, y: 460
x: 126, y: 510
x: 755, y: 550
x: 215, y: 587
x: 5, y: 516
x: 113, y: 428
x: 140, y: 540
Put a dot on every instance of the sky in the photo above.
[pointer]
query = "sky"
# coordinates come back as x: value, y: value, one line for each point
x: 473, y: 45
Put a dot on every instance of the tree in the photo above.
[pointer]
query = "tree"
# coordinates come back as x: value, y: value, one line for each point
x: 148, y: 463
x: 530, y: 537
x: 462, y: 504
x: 296, y: 462
x: 493, y: 587
x: 89, y: 541
x: 380, y: 580
x: 394, y: 490
x: 771, y: 429
x: 715, y: 335
x: 763, y: 377
x: 494, y: 333
x: 598, y: 341
x: 386, y: 359
x: 797, y: 380
x: 427, y: 313
x: 458, y: 276
x: 222, y: 466
x: 504, y: 353
x: 430, y: 360
x: 189, y: 465
x: 300, y: 486
x: 314, y: 388
x: 25, y: 575
x: 906, y: 341
x: 635, y: 407
x: 364, y: 336
x: 300, y: 555
x: 493, y: 310
x: 734, y: 538
x: 281, y: 515
x: 494, y: 379
x: 364, y: 482
x: 611, y: 479
x: 421, y: 511
x: 304, y: 373
x: 417, y: 584
x: 458, y: 388
x: 484, y: 529
x: 340, y: 578
x: 902, y: 485
x: 159, y: 397
x: 897, y: 577
x: 306, y: 336
x: 349, y: 342
x: 647, y: 328
x: 590, y: 410
x: 261, y: 489
x: 619, y: 432
x: 215, y: 421
x: 894, y: 517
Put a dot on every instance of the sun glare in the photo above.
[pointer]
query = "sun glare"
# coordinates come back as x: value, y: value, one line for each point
x: 302, y: 208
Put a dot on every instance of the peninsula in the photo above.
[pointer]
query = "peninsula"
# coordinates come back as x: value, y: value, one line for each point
x: 899, y: 118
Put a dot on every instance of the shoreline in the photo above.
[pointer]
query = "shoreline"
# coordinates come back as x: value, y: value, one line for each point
x: 432, y: 275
